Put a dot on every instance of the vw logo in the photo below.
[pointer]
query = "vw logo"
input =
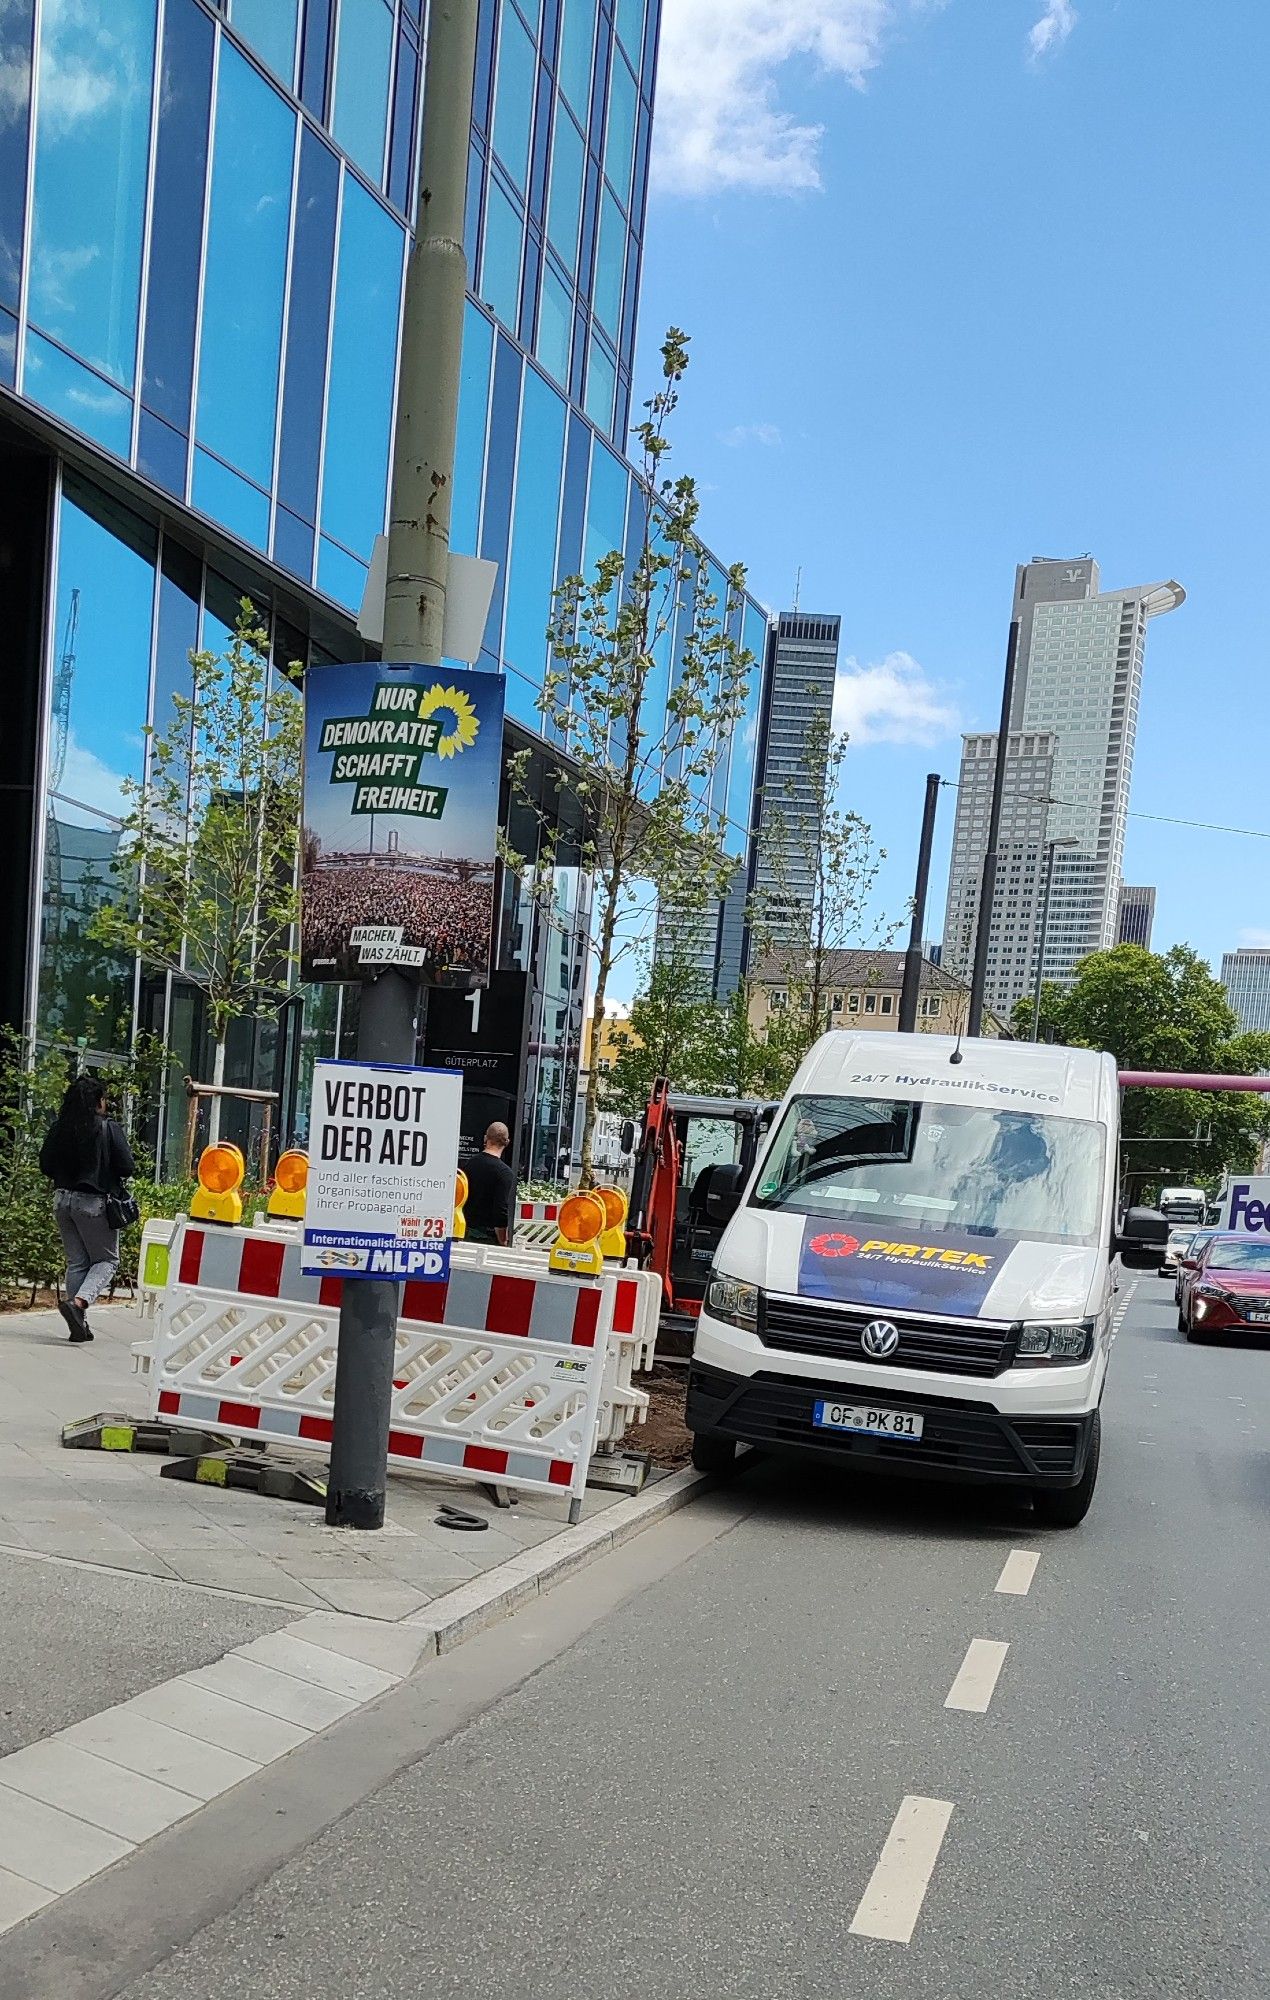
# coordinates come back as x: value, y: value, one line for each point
x: 880, y: 1338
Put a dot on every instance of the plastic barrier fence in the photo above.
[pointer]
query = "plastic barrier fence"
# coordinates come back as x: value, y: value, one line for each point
x: 536, y: 1232
x: 154, y: 1264
x: 536, y: 1224
x: 498, y: 1375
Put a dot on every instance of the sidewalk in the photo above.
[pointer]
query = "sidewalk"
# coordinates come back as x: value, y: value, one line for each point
x: 114, y: 1580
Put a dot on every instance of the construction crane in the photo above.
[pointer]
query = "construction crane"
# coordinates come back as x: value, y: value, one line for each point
x: 54, y: 889
x: 63, y: 681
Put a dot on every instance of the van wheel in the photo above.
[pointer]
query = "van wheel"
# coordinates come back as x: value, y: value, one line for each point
x: 712, y: 1452
x: 1066, y: 1507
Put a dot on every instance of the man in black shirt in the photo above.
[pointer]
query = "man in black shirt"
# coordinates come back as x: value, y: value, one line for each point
x: 491, y: 1190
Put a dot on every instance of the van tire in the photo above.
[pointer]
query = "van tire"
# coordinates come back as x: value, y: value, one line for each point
x: 1067, y: 1506
x: 712, y: 1452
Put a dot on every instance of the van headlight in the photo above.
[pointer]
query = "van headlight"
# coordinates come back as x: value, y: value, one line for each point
x: 1045, y: 1341
x: 734, y: 1302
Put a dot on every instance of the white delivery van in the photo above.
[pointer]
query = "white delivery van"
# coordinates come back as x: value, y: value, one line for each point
x: 1184, y: 1204
x: 1244, y: 1205
x: 920, y: 1273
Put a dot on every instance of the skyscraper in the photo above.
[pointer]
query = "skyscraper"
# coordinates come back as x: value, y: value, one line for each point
x: 1245, y: 974
x: 1015, y: 934
x: 802, y: 668
x: 1137, y: 916
x: 1078, y: 681
x: 204, y: 215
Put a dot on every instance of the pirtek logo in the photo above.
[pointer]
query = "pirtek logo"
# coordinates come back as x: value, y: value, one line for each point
x: 833, y: 1245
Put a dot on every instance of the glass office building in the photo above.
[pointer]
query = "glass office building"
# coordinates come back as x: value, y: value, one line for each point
x: 203, y: 233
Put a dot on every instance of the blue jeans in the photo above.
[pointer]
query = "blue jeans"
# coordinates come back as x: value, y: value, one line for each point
x: 91, y: 1245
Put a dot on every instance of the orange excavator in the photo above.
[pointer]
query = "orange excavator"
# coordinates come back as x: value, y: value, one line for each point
x: 688, y: 1150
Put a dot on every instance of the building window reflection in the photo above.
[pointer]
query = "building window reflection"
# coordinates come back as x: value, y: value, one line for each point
x: 363, y: 59
x: 500, y: 264
x: 95, y: 77
x: 245, y: 273
x: 514, y: 95
x: 99, y: 701
x: 362, y: 370
x: 270, y: 27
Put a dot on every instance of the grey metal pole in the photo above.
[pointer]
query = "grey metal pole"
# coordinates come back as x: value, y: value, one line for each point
x: 988, y: 880
x: 1050, y: 845
x: 431, y: 347
x: 414, y: 620
x: 911, y: 988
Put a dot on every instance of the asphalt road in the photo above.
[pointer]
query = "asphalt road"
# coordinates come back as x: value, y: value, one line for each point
x: 723, y: 1780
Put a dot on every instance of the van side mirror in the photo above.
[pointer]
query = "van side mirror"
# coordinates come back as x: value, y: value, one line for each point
x: 1142, y: 1237
x: 724, y: 1196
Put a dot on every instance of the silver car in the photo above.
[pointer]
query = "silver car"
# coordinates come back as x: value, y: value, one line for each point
x: 1176, y: 1248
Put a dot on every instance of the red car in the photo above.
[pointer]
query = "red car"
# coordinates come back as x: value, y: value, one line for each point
x: 1229, y: 1291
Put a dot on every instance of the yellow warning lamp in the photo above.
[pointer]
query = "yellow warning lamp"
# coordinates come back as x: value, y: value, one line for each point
x: 290, y: 1185
x: 616, y: 1207
x: 221, y: 1172
x: 460, y: 1202
x: 582, y: 1223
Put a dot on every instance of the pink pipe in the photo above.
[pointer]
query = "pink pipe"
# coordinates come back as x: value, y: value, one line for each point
x: 1165, y: 1079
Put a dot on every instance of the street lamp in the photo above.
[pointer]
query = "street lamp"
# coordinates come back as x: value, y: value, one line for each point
x: 1068, y: 840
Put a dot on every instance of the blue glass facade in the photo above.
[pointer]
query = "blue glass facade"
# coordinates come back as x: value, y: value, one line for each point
x: 203, y: 235
x: 217, y: 225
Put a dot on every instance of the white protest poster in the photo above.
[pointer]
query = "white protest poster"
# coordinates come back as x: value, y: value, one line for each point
x: 383, y: 1156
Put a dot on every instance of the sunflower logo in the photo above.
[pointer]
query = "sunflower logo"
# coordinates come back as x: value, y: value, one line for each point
x: 466, y: 727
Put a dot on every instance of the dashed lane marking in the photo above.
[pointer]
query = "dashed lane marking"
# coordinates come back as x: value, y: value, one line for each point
x: 977, y: 1676
x: 892, y: 1903
x: 1015, y: 1579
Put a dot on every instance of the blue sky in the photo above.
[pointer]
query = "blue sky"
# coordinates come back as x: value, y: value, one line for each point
x: 971, y: 281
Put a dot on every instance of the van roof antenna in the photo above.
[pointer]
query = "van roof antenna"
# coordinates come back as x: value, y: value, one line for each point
x: 956, y: 1055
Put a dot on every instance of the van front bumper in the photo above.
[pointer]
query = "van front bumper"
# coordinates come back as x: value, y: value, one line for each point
x: 961, y: 1439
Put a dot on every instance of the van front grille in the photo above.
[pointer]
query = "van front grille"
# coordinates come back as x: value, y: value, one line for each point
x: 945, y: 1346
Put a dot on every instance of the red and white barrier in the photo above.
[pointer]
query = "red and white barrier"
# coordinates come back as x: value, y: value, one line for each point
x: 537, y: 1224
x: 498, y: 1374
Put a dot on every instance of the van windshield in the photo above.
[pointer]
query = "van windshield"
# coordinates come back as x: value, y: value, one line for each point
x: 955, y: 1167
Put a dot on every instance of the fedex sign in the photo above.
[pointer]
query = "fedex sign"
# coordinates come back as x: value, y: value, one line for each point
x: 1247, y: 1207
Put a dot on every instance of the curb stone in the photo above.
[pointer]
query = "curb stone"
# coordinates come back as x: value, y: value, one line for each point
x: 488, y: 1599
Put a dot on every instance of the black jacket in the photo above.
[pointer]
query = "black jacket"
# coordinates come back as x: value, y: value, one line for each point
x: 95, y: 1168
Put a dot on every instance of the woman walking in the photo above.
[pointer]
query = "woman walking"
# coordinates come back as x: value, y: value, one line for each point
x: 87, y: 1157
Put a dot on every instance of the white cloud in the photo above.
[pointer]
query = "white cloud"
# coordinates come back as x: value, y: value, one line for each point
x: 768, y: 434
x: 1256, y: 940
x: 90, y: 781
x: 719, y: 124
x: 891, y: 701
x: 1053, y: 28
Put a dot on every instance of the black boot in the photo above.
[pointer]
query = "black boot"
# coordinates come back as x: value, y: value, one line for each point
x: 75, y: 1320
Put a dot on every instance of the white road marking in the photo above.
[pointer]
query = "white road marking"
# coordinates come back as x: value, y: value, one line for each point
x: 977, y: 1675
x: 1015, y: 1579
x: 892, y: 1903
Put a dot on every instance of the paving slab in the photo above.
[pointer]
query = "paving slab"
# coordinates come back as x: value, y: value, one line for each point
x: 76, y: 1640
x: 114, y: 1511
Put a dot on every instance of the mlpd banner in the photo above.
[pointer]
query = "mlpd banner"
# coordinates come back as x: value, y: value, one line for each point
x: 401, y: 775
x: 383, y: 1156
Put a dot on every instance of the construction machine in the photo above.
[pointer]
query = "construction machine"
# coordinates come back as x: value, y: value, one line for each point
x: 686, y: 1148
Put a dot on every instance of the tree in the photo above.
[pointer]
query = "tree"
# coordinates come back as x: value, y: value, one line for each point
x: 1165, y: 1011
x: 205, y: 874
x: 822, y: 866
x: 640, y: 742
x: 668, y: 1033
